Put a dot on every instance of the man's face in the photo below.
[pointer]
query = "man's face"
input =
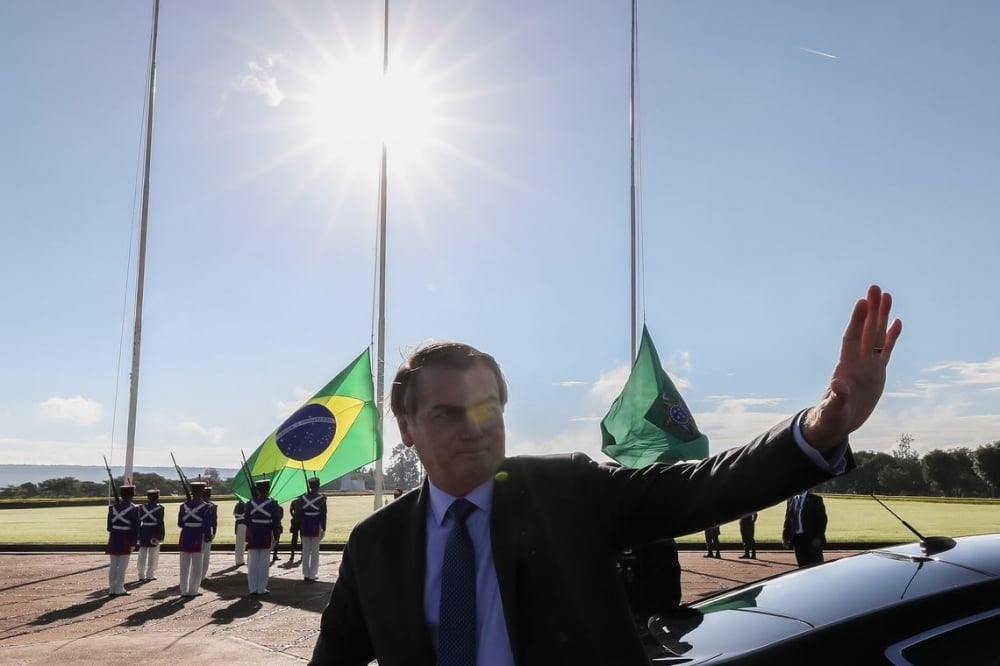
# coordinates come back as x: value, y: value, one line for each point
x: 457, y: 427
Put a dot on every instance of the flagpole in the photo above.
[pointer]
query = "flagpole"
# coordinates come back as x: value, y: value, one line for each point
x: 141, y: 266
x: 631, y: 133
x: 380, y: 355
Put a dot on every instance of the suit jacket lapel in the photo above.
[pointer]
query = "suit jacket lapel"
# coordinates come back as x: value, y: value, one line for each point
x: 505, y: 538
x: 413, y: 561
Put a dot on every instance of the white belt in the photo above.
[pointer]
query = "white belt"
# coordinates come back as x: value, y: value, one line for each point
x: 192, y: 524
x: 123, y: 528
x: 149, y: 524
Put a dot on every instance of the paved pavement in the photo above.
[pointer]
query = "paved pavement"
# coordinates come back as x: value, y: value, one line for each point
x: 54, y: 608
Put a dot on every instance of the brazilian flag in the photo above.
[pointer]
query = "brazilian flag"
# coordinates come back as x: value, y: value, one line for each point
x: 333, y: 433
x: 649, y: 421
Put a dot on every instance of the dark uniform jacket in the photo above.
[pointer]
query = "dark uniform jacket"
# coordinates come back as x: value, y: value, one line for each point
x: 557, y: 526
x: 152, y: 524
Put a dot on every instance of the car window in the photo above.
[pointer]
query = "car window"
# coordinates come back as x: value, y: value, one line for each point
x: 974, y: 641
x: 846, y: 587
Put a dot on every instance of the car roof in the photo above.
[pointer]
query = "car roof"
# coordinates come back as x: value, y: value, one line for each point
x: 792, y: 603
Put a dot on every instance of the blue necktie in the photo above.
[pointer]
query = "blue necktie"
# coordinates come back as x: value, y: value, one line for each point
x: 457, y: 619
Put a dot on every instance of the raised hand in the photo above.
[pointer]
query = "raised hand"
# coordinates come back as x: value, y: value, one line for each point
x: 859, y: 378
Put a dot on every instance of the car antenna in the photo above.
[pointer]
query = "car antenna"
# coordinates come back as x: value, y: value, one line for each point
x: 930, y: 545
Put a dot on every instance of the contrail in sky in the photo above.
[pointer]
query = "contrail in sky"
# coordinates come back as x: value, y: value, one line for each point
x: 819, y: 53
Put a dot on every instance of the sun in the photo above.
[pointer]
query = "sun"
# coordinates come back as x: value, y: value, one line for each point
x: 354, y: 108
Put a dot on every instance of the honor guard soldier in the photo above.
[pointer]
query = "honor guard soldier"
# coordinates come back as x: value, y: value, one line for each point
x: 263, y: 517
x: 239, y: 548
x: 312, y: 523
x: 192, y: 518
x: 152, y: 529
x: 211, y: 527
x: 123, y: 535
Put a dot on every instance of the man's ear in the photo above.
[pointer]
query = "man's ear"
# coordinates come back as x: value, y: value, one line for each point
x: 404, y: 431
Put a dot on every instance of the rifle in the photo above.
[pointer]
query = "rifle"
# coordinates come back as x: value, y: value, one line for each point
x: 111, y: 476
x: 249, y: 477
x: 184, y: 481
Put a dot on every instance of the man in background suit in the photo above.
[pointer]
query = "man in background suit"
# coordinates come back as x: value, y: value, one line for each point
x: 748, y: 529
x: 805, y: 527
x: 545, y: 531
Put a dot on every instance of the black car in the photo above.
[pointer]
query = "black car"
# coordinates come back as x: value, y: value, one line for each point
x: 935, y: 602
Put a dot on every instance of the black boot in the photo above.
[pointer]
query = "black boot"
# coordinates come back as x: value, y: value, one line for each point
x: 745, y: 555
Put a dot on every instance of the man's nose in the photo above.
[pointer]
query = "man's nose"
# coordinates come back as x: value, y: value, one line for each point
x: 473, y: 425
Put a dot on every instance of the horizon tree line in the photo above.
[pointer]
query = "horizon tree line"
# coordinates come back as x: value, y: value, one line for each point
x: 955, y: 472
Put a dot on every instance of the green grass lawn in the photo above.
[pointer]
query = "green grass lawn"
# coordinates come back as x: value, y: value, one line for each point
x: 860, y: 519
x: 88, y: 524
x: 852, y: 519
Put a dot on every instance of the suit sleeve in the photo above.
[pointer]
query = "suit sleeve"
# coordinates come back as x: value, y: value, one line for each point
x: 343, y: 635
x: 670, y: 500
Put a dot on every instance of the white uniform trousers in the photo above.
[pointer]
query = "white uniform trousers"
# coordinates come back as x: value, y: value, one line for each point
x: 206, y: 555
x: 241, y: 544
x: 149, y: 557
x: 116, y: 573
x: 258, y: 569
x: 310, y: 557
x: 190, y: 573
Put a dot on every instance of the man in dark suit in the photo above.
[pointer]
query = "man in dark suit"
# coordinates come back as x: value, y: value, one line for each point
x: 546, y: 531
x: 805, y: 527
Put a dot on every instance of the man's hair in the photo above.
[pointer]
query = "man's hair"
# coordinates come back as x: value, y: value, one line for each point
x: 454, y: 355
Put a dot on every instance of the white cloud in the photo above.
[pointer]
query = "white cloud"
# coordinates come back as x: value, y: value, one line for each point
x: 570, y: 383
x: 285, y: 408
x: 678, y: 366
x: 261, y: 81
x: 79, y: 410
x: 214, y: 435
x: 609, y: 385
x: 968, y: 372
x: 576, y: 438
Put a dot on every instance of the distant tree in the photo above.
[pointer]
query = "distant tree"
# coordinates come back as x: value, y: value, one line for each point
x: 144, y: 482
x: 902, y: 477
x: 66, y: 486
x: 904, y: 448
x: 987, y: 465
x: 92, y: 489
x: 903, y: 474
x: 942, y: 470
x: 22, y: 491
x: 952, y: 473
x: 404, y: 470
x: 865, y: 477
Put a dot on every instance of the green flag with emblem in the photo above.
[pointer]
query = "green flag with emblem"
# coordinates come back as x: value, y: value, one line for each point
x: 649, y: 421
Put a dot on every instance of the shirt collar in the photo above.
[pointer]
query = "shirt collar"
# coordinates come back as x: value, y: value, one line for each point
x: 481, y: 496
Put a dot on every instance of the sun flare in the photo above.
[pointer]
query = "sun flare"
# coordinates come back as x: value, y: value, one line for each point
x: 355, y: 109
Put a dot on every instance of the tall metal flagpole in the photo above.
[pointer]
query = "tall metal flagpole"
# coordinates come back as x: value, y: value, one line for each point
x: 631, y: 136
x: 380, y: 356
x: 133, y: 398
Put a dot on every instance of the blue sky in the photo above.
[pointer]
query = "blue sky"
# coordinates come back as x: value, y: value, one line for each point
x: 791, y: 154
